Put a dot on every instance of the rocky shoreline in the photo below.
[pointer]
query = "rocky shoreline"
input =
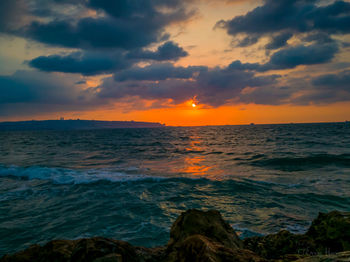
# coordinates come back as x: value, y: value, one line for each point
x: 205, y: 236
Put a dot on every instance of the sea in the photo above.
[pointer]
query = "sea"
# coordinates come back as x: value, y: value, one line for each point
x: 131, y: 184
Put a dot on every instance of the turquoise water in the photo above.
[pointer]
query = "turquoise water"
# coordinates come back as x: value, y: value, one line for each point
x: 131, y: 184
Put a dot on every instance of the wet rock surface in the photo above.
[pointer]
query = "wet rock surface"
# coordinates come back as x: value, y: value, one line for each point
x: 205, y: 236
x: 329, y: 233
x: 209, y: 224
x: 338, y: 257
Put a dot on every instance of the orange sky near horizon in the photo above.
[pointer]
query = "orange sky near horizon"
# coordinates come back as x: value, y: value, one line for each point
x: 186, y: 115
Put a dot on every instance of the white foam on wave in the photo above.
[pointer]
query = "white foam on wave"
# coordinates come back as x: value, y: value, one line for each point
x: 70, y: 176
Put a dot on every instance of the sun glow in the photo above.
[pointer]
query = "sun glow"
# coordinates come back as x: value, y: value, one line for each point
x: 194, y: 105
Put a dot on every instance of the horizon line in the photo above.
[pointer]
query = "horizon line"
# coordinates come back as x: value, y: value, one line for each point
x: 165, y: 125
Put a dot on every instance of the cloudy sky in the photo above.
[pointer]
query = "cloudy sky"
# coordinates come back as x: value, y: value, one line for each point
x: 238, y: 61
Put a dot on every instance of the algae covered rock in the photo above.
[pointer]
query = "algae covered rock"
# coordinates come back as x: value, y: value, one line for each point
x: 110, y: 258
x: 328, y: 233
x: 198, y: 236
x: 90, y: 249
x: 198, y: 248
x: 55, y: 251
x: 205, y: 236
x: 331, y: 232
x: 338, y: 257
x: 277, y: 245
x: 209, y: 224
x: 87, y: 250
x: 195, y: 236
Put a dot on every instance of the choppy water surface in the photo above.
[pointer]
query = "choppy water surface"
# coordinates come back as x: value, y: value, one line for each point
x: 131, y: 184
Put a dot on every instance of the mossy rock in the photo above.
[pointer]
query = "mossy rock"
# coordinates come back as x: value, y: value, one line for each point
x: 331, y: 232
x: 275, y: 246
x: 209, y: 224
x: 198, y: 248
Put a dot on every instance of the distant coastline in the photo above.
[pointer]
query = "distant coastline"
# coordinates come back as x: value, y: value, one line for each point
x: 78, y: 124
x: 74, y: 125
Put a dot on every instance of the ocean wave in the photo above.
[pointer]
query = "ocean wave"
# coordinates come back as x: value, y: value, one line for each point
x: 301, y: 163
x: 128, y: 174
x: 244, y: 232
x: 135, y: 177
x: 65, y: 176
x: 70, y: 176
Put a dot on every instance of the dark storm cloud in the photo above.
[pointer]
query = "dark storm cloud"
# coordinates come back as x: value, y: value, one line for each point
x: 215, y: 87
x: 319, y: 37
x: 292, y: 57
x: 61, y: 9
x: 268, y: 95
x: 178, y: 90
x: 83, y: 63
x: 125, y: 24
x: 247, y: 41
x: 138, y: 9
x: 7, y: 11
x: 32, y: 92
x: 93, y: 63
x: 325, y: 89
x: 11, y: 12
x: 15, y: 15
x: 238, y: 65
x: 15, y: 91
x: 157, y: 72
x: 302, y: 55
x: 95, y: 33
x: 340, y: 81
x: 297, y: 16
x: 97, y: 29
x: 38, y: 87
x: 167, y: 51
x: 279, y: 40
x: 220, y: 86
x: 28, y: 92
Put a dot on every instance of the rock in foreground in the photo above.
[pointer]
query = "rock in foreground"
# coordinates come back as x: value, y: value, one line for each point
x: 328, y: 234
x: 205, y: 236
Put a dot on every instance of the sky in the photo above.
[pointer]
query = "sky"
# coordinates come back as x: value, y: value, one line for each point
x: 178, y: 62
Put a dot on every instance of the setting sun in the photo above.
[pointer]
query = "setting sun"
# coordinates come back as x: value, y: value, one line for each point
x: 194, y: 105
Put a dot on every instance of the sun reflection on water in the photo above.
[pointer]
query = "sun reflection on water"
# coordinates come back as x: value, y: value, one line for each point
x: 194, y: 163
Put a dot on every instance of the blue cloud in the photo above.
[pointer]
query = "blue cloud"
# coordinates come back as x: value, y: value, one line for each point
x: 93, y: 63
x: 157, y: 72
x: 83, y: 63
x: 279, y: 40
x: 94, y: 33
x: 32, y: 92
x: 167, y: 51
x: 340, y: 81
x: 295, y: 16
x: 292, y: 57
x: 212, y: 86
x: 125, y: 24
x: 302, y: 55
